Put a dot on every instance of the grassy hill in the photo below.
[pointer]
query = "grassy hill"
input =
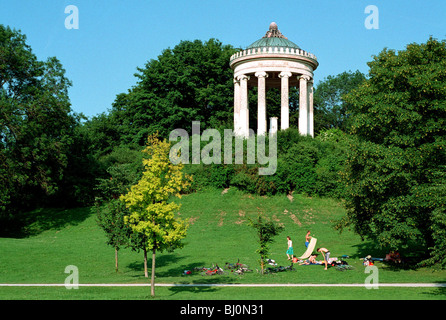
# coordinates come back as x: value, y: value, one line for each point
x: 218, y: 233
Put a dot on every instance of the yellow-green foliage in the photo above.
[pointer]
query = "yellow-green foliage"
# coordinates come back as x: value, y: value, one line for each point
x: 151, y: 213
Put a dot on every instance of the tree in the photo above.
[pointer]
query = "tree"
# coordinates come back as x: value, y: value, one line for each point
x: 110, y: 217
x: 331, y: 109
x: 36, y: 124
x: 192, y: 81
x: 266, y: 231
x: 397, y: 151
x: 333, y: 148
x: 152, y: 214
x: 109, y: 209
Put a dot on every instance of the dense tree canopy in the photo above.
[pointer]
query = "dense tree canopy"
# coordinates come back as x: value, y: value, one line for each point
x: 330, y: 108
x: 39, y: 140
x: 35, y: 125
x: 396, y: 164
x: 192, y: 81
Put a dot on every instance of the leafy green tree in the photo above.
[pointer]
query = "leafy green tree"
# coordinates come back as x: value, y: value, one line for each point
x: 398, y: 150
x: 330, y: 108
x: 121, y: 175
x: 36, y: 124
x: 192, y: 81
x: 81, y: 172
x: 333, y: 145
x: 152, y: 213
x: 266, y: 230
x: 104, y: 134
x: 430, y: 196
x: 110, y: 217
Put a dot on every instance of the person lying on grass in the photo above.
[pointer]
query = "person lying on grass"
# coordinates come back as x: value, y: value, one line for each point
x: 311, y: 260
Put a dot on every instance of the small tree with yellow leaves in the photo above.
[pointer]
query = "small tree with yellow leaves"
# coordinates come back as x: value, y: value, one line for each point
x: 152, y: 214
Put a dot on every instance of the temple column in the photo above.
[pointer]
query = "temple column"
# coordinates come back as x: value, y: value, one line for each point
x: 236, y: 106
x: 284, y: 101
x: 272, y: 125
x: 310, y: 109
x: 244, y: 111
x: 303, y: 105
x: 261, y: 103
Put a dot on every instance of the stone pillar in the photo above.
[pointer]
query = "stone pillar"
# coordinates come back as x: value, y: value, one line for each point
x: 303, y: 105
x: 236, y: 107
x: 244, y: 111
x: 272, y: 125
x: 261, y: 104
x: 310, y: 109
x: 284, y: 101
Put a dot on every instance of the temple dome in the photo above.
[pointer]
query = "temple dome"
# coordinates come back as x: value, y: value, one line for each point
x: 273, y: 38
x: 273, y: 42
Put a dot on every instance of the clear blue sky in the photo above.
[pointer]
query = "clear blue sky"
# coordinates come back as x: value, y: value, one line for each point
x: 115, y: 37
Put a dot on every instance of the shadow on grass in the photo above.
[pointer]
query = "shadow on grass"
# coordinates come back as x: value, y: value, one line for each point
x: 409, y: 257
x: 39, y: 220
x: 202, y: 285
x: 195, y: 289
x: 161, y: 261
x: 437, y: 292
x: 178, y: 270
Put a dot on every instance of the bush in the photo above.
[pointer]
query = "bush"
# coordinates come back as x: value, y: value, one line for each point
x: 245, y: 178
x: 300, y: 162
x: 333, y: 146
x: 304, y: 165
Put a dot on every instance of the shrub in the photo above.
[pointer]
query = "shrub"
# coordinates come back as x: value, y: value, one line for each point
x: 304, y: 165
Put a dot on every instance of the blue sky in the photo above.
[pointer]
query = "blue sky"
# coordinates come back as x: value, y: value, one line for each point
x: 115, y: 37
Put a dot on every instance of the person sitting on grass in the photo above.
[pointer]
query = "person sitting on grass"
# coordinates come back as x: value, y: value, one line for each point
x: 326, y: 254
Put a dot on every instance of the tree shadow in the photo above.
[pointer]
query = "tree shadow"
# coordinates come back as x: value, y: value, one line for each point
x: 202, y: 285
x: 34, y: 222
x: 137, y: 266
x: 180, y: 269
x: 438, y: 291
x: 161, y: 261
x: 366, y: 248
x: 188, y: 285
x: 409, y: 257
x: 196, y: 286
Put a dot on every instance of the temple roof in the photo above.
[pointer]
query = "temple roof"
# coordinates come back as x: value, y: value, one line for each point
x: 273, y: 38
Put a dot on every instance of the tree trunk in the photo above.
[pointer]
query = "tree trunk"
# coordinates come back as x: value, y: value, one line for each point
x: 152, y: 282
x: 116, y: 258
x: 146, y: 274
x: 262, y: 265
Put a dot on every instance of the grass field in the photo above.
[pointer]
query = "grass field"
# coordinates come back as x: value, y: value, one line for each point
x: 218, y: 233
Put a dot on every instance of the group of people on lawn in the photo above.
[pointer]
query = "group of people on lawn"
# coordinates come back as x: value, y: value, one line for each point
x: 325, y: 252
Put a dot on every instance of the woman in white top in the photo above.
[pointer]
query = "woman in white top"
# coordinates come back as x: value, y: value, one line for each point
x: 290, y: 251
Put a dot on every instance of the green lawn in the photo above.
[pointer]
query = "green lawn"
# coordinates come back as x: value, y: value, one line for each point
x: 218, y: 233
